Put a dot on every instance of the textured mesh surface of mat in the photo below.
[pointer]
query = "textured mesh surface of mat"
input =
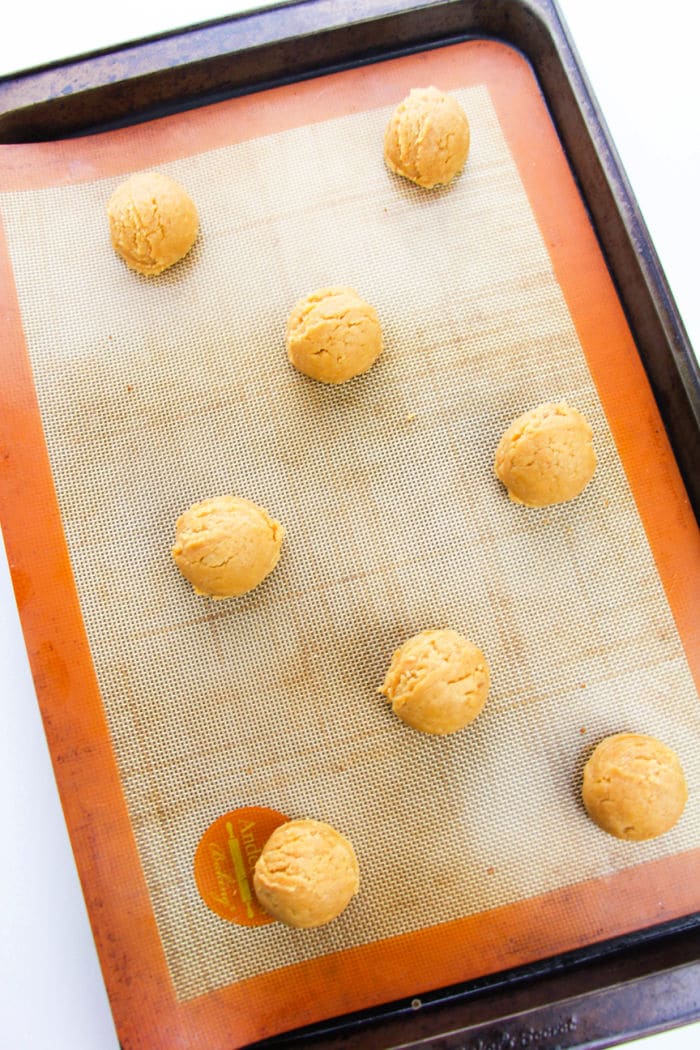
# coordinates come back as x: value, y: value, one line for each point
x: 155, y: 393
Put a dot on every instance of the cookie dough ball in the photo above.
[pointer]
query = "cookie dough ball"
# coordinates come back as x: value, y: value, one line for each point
x: 427, y: 138
x: 437, y: 682
x: 333, y: 335
x: 546, y: 456
x: 306, y: 874
x: 633, y: 787
x: 225, y: 546
x: 152, y: 221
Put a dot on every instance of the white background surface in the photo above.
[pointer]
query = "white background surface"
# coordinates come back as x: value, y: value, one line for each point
x: 642, y: 62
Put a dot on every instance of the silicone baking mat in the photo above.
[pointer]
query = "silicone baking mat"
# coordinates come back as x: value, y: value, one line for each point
x: 165, y: 710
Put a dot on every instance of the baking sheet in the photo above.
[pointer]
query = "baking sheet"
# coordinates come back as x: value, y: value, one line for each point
x: 156, y: 393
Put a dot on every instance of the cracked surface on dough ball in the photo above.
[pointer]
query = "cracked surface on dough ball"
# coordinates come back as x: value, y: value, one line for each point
x: 153, y: 222
x: 437, y: 682
x: 306, y: 874
x: 333, y: 335
x: 634, y: 787
x: 546, y: 456
x: 226, y: 546
x: 427, y: 138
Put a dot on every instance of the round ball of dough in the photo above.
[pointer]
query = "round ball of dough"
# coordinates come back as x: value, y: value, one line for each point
x: 546, y: 456
x: 333, y: 335
x: 225, y: 546
x: 152, y: 221
x: 427, y: 138
x: 306, y: 874
x: 437, y: 682
x: 634, y: 787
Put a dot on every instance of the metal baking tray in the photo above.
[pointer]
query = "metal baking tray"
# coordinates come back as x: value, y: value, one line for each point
x: 600, y: 995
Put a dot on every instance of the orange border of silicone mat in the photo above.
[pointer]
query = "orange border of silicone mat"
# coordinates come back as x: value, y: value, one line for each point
x: 146, y: 1012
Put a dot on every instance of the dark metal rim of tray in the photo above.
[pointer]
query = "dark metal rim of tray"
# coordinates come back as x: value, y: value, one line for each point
x: 608, y: 992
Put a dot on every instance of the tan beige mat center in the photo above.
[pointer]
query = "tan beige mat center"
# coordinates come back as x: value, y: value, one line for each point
x: 157, y: 393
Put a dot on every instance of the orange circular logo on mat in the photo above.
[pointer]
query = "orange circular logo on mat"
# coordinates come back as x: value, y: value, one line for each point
x: 225, y: 859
